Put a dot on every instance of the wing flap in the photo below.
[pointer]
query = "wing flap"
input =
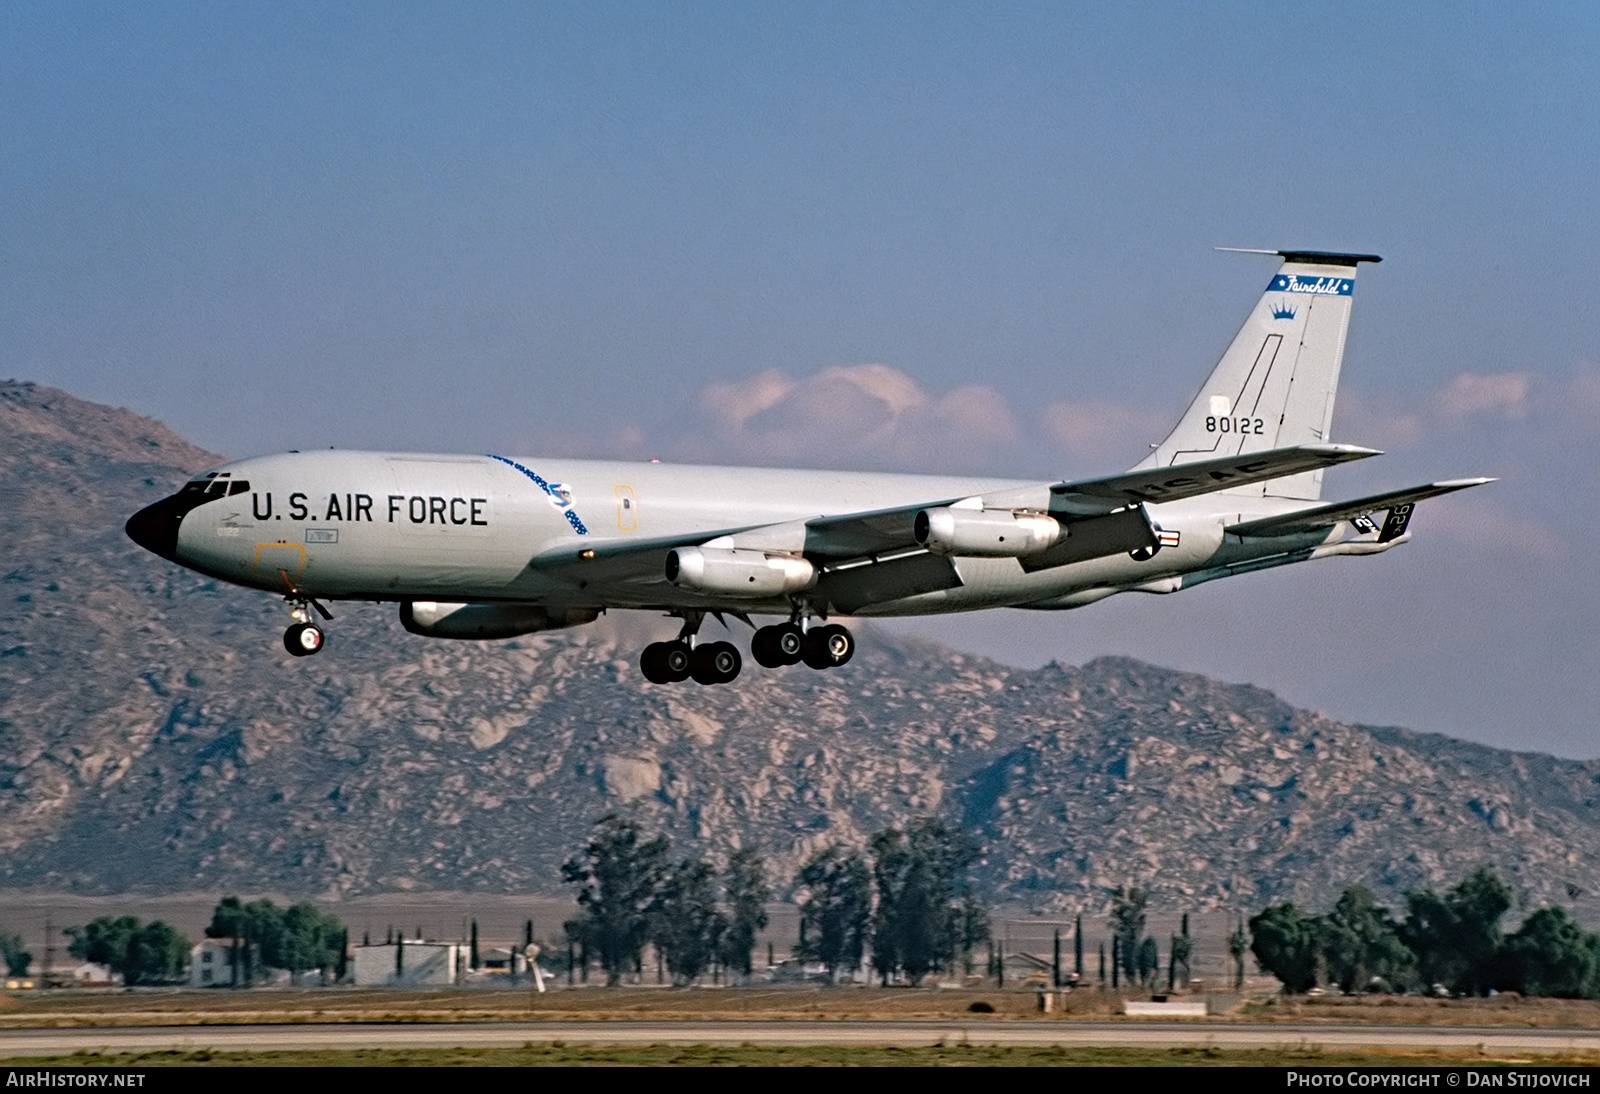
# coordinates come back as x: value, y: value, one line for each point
x: 849, y: 588
x: 1096, y: 537
x: 1325, y: 516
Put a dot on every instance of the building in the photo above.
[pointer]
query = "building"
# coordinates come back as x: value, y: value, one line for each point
x: 410, y: 963
x: 211, y: 963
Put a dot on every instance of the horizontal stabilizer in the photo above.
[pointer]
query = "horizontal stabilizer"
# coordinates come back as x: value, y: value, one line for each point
x: 1189, y: 480
x: 1325, y: 516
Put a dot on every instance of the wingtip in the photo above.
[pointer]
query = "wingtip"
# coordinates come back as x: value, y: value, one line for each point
x: 1348, y: 451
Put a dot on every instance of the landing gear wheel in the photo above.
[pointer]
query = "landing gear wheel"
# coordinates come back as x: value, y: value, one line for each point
x: 773, y: 647
x: 717, y: 663
x: 651, y: 664
x: 665, y: 662
x: 828, y: 647
x: 303, y: 639
x: 790, y: 642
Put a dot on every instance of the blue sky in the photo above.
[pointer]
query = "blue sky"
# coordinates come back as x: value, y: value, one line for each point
x: 682, y: 230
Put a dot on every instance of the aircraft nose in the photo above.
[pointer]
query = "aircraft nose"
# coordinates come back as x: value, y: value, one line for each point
x: 155, y: 528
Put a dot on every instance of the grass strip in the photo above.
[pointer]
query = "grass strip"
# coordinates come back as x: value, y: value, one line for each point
x: 956, y: 1055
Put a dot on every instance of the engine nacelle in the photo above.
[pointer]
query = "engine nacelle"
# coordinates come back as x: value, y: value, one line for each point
x: 988, y: 533
x: 483, y: 621
x: 752, y: 574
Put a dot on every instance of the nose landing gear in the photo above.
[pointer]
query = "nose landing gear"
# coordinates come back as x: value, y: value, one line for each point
x: 304, y: 637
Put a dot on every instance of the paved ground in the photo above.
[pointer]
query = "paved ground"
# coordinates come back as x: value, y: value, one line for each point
x: 1150, y: 1034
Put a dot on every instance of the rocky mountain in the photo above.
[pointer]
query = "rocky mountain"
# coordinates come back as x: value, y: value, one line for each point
x: 154, y: 735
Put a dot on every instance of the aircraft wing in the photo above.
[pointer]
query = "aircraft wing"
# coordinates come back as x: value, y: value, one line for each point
x: 1325, y: 516
x: 872, y: 556
x: 1188, y: 480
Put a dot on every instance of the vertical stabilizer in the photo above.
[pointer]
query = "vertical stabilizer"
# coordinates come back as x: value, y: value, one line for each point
x: 1275, y: 385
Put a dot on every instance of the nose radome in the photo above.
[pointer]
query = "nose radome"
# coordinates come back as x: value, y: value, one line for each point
x: 155, y: 528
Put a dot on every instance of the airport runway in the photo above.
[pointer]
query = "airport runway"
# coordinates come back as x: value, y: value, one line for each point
x: 1040, y: 1033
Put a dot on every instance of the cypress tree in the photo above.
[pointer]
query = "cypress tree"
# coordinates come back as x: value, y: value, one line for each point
x: 1077, y: 947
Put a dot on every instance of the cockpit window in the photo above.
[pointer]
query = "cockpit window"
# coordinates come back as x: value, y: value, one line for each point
x: 214, y: 485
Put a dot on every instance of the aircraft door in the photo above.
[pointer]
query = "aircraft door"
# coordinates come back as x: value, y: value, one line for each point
x: 627, y: 509
x: 280, y: 563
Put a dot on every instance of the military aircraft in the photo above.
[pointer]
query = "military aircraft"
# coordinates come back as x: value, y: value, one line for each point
x: 493, y: 546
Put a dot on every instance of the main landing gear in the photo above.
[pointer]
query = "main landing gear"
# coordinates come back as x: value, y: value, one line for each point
x: 304, y: 637
x: 825, y: 647
x: 787, y: 644
x: 674, y: 662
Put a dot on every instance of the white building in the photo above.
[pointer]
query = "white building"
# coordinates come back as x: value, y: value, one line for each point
x: 410, y: 963
x: 211, y: 963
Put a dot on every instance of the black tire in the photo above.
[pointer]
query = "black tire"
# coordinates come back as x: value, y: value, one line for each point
x: 652, y: 662
x: 829, y: 647
x: 790, y: 643
x: 715, y: 663
x: 764, y: 648
x: 303, y: 639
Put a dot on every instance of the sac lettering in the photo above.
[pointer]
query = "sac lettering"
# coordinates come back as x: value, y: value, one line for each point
x: 435, y: 510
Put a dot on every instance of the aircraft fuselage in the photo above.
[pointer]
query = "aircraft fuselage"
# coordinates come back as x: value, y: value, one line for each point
x: 395, y: 526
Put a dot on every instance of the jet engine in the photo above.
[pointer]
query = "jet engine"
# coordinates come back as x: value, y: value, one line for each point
x: 753, y: 574
x: 989, y: 533
x: 434, y: 620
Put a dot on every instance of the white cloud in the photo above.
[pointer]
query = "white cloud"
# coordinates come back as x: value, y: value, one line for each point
x: 1504, y: 394
x: 867, y: 415
x: 1095, y: 429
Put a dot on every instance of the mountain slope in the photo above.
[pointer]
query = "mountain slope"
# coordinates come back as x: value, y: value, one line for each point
x: 154, y: 735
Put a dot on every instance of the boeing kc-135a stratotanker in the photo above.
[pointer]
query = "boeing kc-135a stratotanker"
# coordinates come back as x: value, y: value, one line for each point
x: 493, y: 546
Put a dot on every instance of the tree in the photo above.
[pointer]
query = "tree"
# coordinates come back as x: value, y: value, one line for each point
x: 157, y: 954
x: 256, y: 929
x: 1127, y: 926
x: 975, y: 929
x: 1457, y: 937
x: 1149, y: 960
x: 687, y: 926
x: 1552, y: 955
x: 835, y: 908
x: 104, y: 940
x: 744, y: 887
x: 310, y: 939
x: 17, y: 958
x: 620, y: 874
x: 1361, y: 942
x: 1287, y: 944
x: 152, y: 953
x: 1178, y: 963
x: 1238, y: 946
x: 917, y: 872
